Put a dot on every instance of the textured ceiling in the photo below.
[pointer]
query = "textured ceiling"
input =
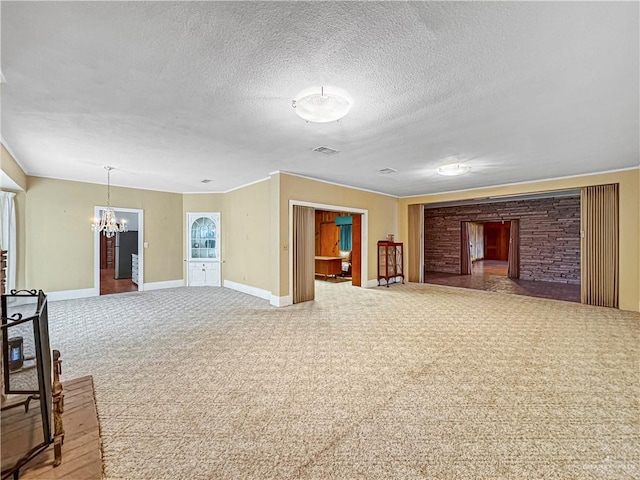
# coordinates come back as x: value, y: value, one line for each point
x: 173, y: 93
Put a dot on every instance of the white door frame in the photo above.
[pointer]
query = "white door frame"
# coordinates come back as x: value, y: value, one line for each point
x: 96, y: 247
x: 364, y: 250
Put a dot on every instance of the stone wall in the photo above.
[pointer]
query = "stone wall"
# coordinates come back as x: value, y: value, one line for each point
x: 549, y: 236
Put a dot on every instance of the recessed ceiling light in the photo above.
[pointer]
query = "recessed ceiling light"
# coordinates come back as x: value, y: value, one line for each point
x: 322, y: 104
x: 452, y: 169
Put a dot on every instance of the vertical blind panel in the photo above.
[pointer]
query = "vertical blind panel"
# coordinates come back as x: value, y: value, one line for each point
x: 416, y: 223
x: 600, y: 248
x: 465, y: 248
x: 514, y: 250
x: 303, y: 253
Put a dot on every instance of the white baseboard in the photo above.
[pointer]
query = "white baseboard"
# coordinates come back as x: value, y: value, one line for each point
x: 167, y: 284
x: 255, y: 291
x: 72, y: 294
x: 260, y: 293
x: 280, y: 301
x: 370, y: 284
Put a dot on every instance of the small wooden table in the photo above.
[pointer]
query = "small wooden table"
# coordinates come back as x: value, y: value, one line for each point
x: 328, y: 266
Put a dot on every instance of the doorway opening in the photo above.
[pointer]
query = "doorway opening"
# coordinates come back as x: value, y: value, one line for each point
x: 309, y: 233
x: 489, y: 243
x: 333, y: 246
x: 542, y: 252
x: 118, y: 260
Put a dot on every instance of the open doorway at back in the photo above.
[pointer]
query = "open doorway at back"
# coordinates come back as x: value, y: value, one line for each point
x: 302, y: 238
x: 333, y: 246
x: 119, y: 262
x: 490, y: 248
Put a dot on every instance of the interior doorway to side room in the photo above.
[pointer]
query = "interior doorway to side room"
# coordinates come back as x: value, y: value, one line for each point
x: 333, y: 246
x: 490, y: 248
x: 301, y: 287
x: 119, y: 260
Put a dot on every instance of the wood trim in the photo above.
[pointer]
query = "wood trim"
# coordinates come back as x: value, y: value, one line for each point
x: 356, y: 250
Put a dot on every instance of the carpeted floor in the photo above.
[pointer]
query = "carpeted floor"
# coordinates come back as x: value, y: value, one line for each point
x: 412, y: 381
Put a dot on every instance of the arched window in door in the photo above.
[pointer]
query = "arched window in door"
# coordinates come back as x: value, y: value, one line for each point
x: 203, y: 238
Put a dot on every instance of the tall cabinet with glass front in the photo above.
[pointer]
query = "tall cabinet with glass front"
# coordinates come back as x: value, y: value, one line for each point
x: 203, y: 248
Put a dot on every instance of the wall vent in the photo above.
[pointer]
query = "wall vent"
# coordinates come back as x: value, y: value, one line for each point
x: 388, y: 170
x: 325, y: 150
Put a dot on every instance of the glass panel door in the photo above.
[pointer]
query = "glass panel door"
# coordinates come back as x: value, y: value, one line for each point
x: 204, y: 237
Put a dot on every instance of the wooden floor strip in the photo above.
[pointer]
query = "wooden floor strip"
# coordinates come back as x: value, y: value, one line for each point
x: 81, y: 453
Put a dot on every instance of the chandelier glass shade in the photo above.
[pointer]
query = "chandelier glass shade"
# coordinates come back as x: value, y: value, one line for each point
x: 107, y: 223
x: 322, y: 104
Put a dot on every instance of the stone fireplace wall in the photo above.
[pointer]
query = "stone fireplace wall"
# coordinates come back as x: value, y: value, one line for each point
x: 549, y: 236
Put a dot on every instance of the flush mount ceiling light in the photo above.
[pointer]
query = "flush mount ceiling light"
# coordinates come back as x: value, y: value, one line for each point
x: 322, y: 104
x: 452, y: 169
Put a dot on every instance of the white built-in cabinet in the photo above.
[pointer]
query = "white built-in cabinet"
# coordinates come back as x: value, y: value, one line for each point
x: 203, y: 249
x: 134, y: 268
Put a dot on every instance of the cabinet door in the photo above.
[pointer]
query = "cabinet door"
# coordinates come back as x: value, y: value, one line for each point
x: 212, y: 275
x: 204, y: 274
x: 382, y: 261
x: 197, y: 275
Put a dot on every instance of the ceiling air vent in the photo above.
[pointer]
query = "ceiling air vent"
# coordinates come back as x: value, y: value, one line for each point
x: 388, y: 170
x: 206, y: 180
x: 325, y: 150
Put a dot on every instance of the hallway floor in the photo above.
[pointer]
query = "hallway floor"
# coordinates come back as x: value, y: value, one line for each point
x: 490, y: 267
x: 109, y: 284
x: 502, y: 284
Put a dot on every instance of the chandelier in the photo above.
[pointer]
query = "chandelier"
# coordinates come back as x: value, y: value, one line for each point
x: 326, y: 104
x: 107, y: 223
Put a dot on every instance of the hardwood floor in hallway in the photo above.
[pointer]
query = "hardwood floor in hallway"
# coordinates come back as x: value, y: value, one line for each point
x: 109, y: 284
x: 503, y: 284
x: 490, y: 267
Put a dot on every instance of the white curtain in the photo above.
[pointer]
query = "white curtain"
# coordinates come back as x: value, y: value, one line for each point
x: 477, y: 241
x: 9, y: 244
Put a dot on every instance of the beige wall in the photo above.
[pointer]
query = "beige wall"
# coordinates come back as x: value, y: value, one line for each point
x: 245, y: 227
x: 202, y: 202
x: 248, y: 236
x: 9, y: 166
x: 629, y: 182
x: 382, y: 217
x: 277, y: 244
x: 60, y: 244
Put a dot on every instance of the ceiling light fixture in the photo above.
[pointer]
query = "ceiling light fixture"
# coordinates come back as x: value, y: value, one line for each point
x: 108, y: 224
x: 322, y: 104
x: 452, y: 169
